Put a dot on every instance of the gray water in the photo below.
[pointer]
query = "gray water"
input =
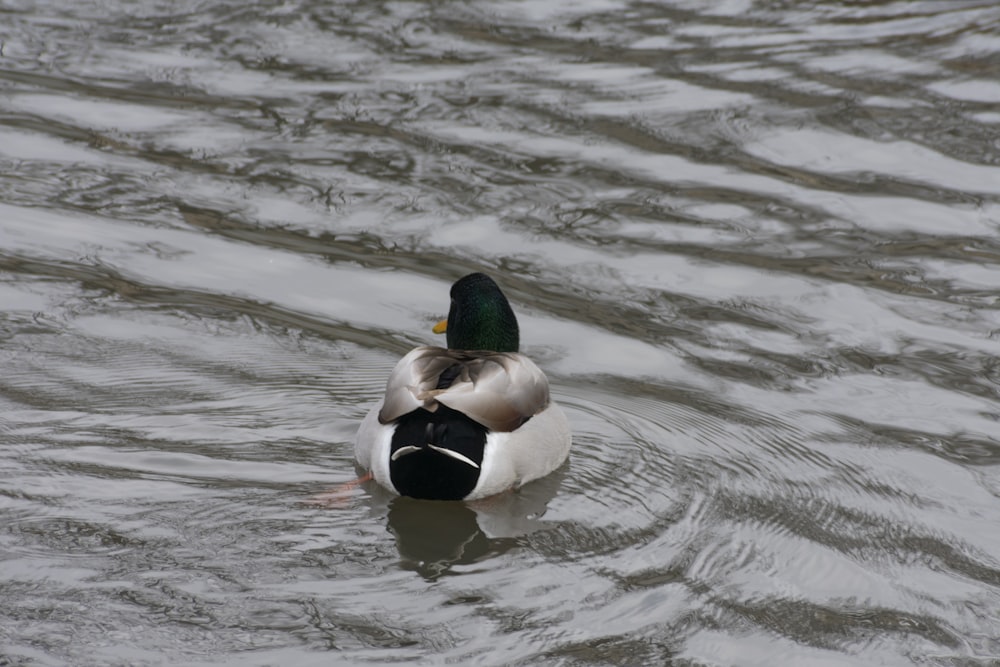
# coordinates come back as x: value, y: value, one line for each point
x: 755, y: 245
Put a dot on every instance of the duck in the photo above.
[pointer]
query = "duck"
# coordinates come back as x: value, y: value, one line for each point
x: 470, y: 420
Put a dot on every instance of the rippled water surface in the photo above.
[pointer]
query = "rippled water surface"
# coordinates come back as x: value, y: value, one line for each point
x: 755, y: 244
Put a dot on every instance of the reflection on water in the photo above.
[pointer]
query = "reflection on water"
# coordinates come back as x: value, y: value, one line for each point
x: 753, y: 244
x: 432, y: 536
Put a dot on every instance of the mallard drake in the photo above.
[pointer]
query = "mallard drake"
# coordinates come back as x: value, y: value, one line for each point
x: 470, y: 420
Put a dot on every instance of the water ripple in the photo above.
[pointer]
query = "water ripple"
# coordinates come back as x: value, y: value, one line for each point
x: 752, y: 244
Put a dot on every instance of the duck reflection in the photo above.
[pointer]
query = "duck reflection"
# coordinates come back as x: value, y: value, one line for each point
x: 434, y: 535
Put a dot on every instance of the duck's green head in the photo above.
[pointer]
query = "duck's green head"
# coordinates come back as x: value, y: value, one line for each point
x: 480, y: 318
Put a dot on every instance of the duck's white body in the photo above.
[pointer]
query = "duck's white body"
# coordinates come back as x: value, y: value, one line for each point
x: 522, y: 433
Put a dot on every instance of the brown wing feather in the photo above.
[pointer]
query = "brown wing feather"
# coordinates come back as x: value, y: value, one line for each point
x: 500, y: 390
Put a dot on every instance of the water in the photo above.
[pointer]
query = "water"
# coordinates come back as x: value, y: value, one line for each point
x: 754, y: 245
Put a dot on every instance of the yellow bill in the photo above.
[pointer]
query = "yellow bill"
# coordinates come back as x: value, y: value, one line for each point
x: 440, y: 327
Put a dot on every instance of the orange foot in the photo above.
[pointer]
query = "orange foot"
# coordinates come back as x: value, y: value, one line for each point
x: 490, y: 502
x: 337, y: 496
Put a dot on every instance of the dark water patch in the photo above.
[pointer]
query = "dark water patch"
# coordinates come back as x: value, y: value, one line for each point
x: 839, y: 628
x: 960, y: 448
